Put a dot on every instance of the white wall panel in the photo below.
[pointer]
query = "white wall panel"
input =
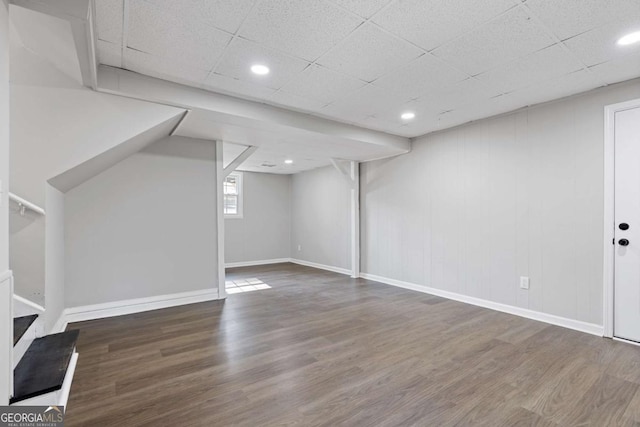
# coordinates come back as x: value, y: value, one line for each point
x: 471, y: 209
x: 145, y: 227
x: 264, y: 231
x: 320, y: 209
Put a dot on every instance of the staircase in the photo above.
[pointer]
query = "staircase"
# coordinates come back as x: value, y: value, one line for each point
x: 43, y: 365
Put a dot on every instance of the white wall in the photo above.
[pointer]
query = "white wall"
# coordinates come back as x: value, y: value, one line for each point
x: 471, y: 209
x: 55, y: 277
x: 5, y: 289
x: 26, y: 258
x: 320, y: 209
x: 145, y: 227
x: 264, y: 231
x: 74, y: 124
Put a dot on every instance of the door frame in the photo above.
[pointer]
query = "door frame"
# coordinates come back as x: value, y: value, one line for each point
x: 609, y: 210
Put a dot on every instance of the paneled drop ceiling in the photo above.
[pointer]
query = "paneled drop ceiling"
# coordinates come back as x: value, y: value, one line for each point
x: 365, y: 62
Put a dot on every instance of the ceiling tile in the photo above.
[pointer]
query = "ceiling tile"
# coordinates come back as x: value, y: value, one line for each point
x: 242, y: 54
x: 491, y: 107
x: 566, y: 85
x: 544, y: 64
x: 567, y: 18
x: 367, y: 101
x: 506, y: 38
x: 364, y: 8
x: 369, y: 53
x: 304, y: 28
x: 163, y: 68
x: 382, y: 125
x: 223, y: 14
x: 231, y: 86
x: 423, y: 109
x: 423, y: 74
x: 600, y: 44
x: 430, y: 23
x: 618, y: 70
x: 159, y: 32
x: 300, y: 103
x: 322, y: 85
x: 457, y: 95
x: 109, y: 17
x: 109, y: 53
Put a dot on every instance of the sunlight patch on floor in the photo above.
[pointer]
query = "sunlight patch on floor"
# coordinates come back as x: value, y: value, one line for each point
x: 245, y: 285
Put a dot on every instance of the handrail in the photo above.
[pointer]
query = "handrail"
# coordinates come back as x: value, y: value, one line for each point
x: 26, y: 204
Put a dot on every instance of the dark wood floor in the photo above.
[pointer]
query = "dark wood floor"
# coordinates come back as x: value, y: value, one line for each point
x: 320, y: 349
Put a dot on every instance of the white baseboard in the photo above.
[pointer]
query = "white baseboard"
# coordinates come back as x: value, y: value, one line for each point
x: 138, y: 305
x: 321, y: 266
x: 260, y: 262
x: 577, y: 325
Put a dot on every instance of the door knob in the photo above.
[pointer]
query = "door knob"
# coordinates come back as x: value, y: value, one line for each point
x: 623, y: 242
x: 623, y: 226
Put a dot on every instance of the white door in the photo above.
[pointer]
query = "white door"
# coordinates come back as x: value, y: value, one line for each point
x: 627, y: 225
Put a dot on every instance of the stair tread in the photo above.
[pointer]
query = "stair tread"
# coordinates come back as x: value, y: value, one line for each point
x: 20, y: 326
x: 43, y: 367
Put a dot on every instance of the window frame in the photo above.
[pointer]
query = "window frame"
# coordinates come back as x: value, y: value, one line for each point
x: 239, y: 215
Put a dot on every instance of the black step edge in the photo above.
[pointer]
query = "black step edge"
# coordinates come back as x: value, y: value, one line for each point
x: 43, y: 367
x: 21, y: 325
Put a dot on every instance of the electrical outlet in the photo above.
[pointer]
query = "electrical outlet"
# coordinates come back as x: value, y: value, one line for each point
x: 299, y: 248
x: 524, y: 282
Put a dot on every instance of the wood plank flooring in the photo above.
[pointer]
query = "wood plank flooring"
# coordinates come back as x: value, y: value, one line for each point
x: 321, y: 349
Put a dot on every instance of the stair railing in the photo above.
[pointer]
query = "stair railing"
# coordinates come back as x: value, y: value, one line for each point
x: 24, y: 204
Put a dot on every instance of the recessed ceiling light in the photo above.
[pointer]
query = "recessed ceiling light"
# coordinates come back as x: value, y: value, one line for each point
x: 408, y: 115
x: 260, y: 69
x: 288, y: 161
x: 629, y: 39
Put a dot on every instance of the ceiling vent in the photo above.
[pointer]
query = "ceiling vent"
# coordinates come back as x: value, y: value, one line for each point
x: 267, y: 165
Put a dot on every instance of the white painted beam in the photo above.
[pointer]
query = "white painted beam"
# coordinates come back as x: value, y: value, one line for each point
x: 239, y: 160
x: 355, y: 219
x: 81, y: 17
x: 344, y: 168
x: 350, y: 171
x: 222, y: 291
x: 256, y: 115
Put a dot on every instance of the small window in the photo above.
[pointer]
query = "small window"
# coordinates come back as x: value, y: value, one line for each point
x: 233, y: 195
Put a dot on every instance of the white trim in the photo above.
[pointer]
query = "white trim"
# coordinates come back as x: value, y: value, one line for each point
x: 242, y: 157
x: 259, y: 262
x: 138, y: 305
x: 626, y: 341
x: 7, y: 276
x: 65, y: 390
x: 60, y: 325
x: 222, y: 291
x: 609, y: 211
x: 577, y: 325
x: 321, y: 266
x: 355, y: 219
x: 29, y: 303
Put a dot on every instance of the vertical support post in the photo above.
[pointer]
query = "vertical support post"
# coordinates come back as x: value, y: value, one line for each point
x: 222, y: 293
x: 354, y: 173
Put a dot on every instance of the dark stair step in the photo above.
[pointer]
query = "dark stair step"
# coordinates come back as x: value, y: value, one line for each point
x: 20, y: 326
x: 43, y: 367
